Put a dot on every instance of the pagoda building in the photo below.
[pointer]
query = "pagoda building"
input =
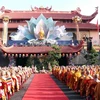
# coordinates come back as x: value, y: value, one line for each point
x: 75, y: 23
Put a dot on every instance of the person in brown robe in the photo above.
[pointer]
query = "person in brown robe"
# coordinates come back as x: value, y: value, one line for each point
x: 97, y: 91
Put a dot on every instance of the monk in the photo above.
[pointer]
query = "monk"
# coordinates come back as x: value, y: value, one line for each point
x: 97, y: 91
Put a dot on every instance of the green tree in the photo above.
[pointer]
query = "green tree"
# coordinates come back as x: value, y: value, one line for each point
x: 34, y: 61
x: 29, y: 61
x: 43, y: 61
x: 91, y: 57
x: 53, y: 56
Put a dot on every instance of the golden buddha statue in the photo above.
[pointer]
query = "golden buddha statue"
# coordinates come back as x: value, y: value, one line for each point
x: 41, y: 34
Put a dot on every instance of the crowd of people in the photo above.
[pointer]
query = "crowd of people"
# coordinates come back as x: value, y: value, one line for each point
x: 12, y: 79
x: 83, y: 79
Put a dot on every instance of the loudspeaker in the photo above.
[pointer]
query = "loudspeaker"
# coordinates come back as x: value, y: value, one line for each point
x: 89, y: 46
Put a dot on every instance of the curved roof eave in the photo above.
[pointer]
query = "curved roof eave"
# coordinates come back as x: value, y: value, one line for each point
x: 39, y: 49
x: 91, y: 17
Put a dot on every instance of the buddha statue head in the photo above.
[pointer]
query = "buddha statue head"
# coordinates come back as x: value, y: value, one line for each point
x: 41, y: 34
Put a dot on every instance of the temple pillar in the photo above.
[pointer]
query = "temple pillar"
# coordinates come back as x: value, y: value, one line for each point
x: 5, y: 29
x: 78, y: 34
x: 77, y: 20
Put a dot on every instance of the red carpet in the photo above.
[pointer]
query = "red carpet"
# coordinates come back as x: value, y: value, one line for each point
x: 43, y: 87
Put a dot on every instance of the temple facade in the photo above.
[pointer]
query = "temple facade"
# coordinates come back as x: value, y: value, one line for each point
x: 76, y: 25
x: 66, y: 18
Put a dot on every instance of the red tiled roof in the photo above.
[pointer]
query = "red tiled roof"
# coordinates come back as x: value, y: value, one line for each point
x: 81, y: 25
x: 39, y: 49
x: 67, y: 25
x: 13, y: 25
x: 47, y: 14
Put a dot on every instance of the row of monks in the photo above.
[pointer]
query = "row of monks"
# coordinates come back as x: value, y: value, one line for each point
x: 83, y: 79
x: 12, y: 79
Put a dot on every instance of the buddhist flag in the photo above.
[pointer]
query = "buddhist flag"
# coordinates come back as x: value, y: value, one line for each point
x: 97, y: 26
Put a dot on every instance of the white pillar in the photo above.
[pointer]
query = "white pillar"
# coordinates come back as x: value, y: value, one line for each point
x: 77, y: 19
x: 5, y: 29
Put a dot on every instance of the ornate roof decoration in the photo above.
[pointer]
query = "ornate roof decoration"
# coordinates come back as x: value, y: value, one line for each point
x: 78, y: 9
x: 41, y: 8
x: 96, y: 12
x: 3, y: 9
x: 89, y: 18
x: 47, y: 12
x: 39, y: 29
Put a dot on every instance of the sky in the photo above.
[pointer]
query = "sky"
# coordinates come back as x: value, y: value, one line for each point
x: 87, y: 6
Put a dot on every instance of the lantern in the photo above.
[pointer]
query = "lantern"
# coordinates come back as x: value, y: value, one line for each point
x: 45, y: 54
x: 41, y: 54
x: 9, y: 55
x: 31, y: 55
x: 5, y: 54
x: 78, y: 53
x: 26, y: 55
x: 75, y: 54
x: 70, y: 55
x: 12, y: 55
x: 63, y: 54
x: 19, y: 55
x: 34, y: 55
x: 66, y: 55
x: 16, y: 55
x: 59, y: 54
x: 23, y: 55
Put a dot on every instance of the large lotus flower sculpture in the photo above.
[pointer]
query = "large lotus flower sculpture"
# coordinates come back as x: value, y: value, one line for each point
x: 39, y: 29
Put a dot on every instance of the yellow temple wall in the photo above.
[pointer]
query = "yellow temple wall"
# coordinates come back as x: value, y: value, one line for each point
x: 95, y: 35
